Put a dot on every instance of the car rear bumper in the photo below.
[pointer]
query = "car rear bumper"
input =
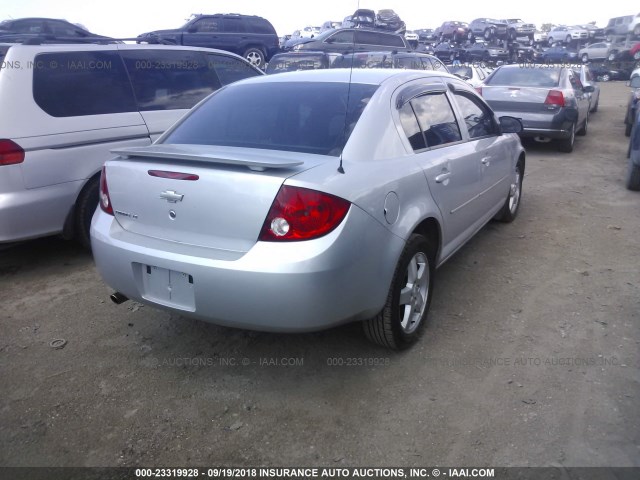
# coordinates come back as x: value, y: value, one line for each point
x: 282, y: 287
x: 556, y: 126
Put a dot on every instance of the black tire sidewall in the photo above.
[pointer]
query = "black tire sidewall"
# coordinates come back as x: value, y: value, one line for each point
x: 85, y: 208
x: 416, y: 243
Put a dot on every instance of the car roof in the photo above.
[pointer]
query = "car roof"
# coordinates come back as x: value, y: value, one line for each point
x: 372, y: 76
x: 88, y: 47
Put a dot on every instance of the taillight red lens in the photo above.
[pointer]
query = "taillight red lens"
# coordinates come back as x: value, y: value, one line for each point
x: 173, y: 175
x: 10, y: 152
x: 105, y: 201
x: 302, y: 214
x: 554, y: 97
x: 479, y: 90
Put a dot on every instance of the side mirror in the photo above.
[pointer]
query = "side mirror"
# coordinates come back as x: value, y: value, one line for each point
x: 510, y: 124
x: 589, y: 89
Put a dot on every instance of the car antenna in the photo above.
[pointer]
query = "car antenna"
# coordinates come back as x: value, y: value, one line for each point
x: 346, y: 112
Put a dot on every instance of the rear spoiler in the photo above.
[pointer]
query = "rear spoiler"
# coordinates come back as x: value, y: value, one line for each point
x: 256, y: 160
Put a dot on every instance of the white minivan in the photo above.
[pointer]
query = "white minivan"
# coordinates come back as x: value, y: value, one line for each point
x: 65, y: 107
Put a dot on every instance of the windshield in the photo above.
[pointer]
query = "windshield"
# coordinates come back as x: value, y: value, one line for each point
x: 525, y: 77
x: 306, y: 117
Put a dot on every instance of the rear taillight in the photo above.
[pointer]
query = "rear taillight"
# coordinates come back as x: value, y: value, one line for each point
x: 302, y: 214
x: 105, y: 201
x: 555, y: 97
x: 479, y: 90
x: 10, y: 152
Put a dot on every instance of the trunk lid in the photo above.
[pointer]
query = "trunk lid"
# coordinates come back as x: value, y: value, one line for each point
x: 222, y: 204
x: 517, y: 99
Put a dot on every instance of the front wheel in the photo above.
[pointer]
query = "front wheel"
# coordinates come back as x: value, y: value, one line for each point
x: 255, y: 56
x: 585, y: 58
x: 636, y: 56
x: 509, y: 210
x: 568, y: 39
x: 612, y: 56
x: 402, y: 318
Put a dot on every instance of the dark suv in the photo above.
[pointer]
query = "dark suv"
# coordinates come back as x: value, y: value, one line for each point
x: 45, y: 30
x: 250, y: 36
x: 346, y: 40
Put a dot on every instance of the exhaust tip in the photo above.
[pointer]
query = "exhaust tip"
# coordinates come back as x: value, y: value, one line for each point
x: 542, y: 139
x: 118, y: 298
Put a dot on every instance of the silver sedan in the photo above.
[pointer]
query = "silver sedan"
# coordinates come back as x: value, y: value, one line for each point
x: 308, y: 199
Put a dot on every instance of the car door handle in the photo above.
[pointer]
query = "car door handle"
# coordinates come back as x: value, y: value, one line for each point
x: 442, y: 177
x: 486, y: 161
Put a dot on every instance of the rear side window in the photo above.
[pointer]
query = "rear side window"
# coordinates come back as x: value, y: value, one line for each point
x: 305, y: 117
x: 230, y: 69
x: 71, y: 84
x: 375, y: 38
x: 259, y: 25
x: 169, y: 80
x: 234, y: 25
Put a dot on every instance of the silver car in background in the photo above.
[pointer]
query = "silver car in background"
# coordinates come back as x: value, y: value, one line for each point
x: 308, y: 199
x: 550, y: 100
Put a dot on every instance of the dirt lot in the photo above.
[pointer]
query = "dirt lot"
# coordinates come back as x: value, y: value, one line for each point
x: 531, y: 356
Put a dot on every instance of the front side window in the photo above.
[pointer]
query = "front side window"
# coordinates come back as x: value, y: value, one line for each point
x: 428, y: 121
x: 306, y: 117
x: 168, y: 80
x: 71, y: 84
x: 477, y: 117
x: 436, y: 119
x: 207, y: 25
x: 342, y: 37
x: 62, y: 29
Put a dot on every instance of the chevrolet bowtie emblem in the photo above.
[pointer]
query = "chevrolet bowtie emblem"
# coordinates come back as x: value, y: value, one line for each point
x: 171, y: 196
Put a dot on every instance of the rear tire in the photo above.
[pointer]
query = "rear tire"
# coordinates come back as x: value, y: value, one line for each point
x: 85, y: 208
x: 255, y: 57
x: 583, y: 131
x: 566, y: 145
x: 404, y: 315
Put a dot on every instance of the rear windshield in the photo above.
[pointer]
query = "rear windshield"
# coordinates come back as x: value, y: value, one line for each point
x: 306, y: 117
x: 462, y: 71
x: 525, y: 76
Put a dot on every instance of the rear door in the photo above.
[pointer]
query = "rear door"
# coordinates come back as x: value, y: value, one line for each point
x: 450, y: 165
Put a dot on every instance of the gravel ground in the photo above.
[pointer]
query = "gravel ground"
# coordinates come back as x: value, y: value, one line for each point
x: 530, y: 358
